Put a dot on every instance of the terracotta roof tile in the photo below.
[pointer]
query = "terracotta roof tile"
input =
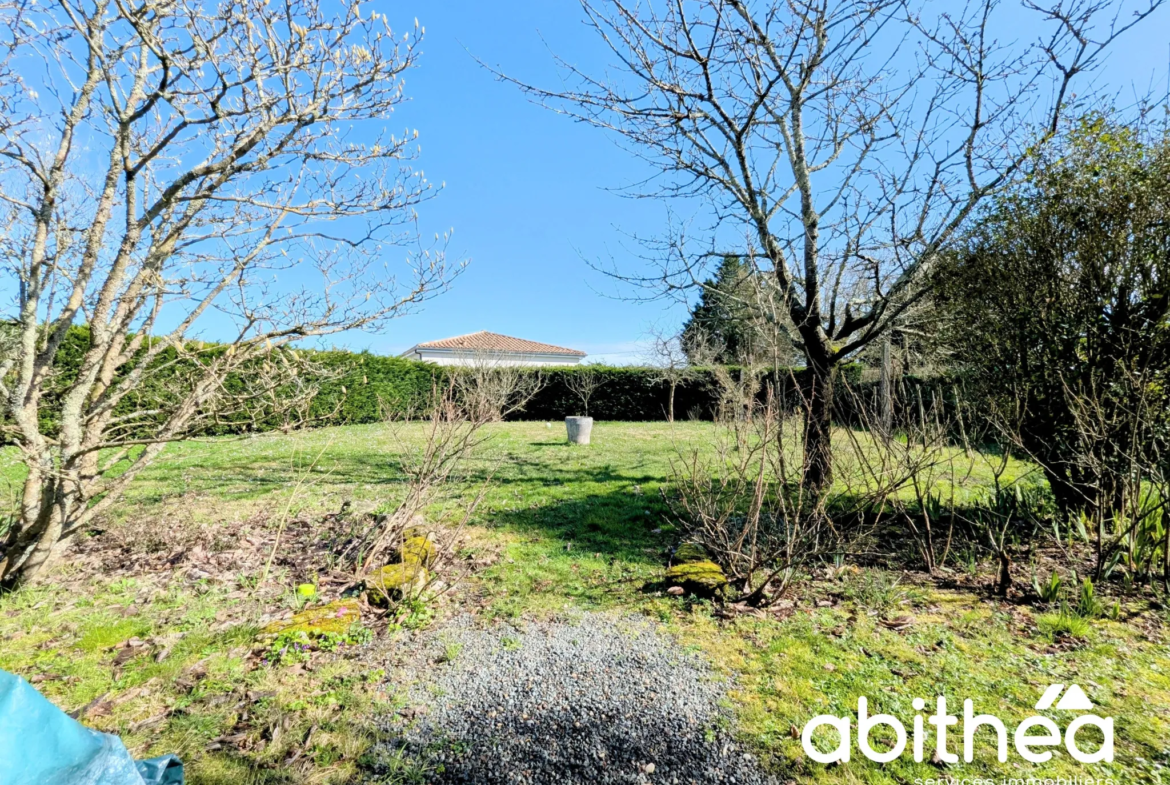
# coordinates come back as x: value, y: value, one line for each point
x: 483, y: 341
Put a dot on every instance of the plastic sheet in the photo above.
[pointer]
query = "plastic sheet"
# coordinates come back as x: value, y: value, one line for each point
x: 42, y: 745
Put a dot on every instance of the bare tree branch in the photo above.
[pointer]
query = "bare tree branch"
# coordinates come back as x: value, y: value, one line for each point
x: 190, y: 166
x: 845, y: 143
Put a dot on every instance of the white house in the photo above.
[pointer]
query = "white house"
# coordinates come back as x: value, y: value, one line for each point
x: 491, y: 348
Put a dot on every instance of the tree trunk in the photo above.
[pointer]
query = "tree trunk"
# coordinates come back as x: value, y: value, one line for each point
x: 1003, y: 580
x: 25, y: 558
x: 33, y: 537
x: 670, y: 405
x: 886, y: 391
x: 818, y: 432
x: 1166, y: 551
x: 53, y: 506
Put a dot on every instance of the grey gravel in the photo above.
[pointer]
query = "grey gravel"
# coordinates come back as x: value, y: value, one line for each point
x: 592, y: 699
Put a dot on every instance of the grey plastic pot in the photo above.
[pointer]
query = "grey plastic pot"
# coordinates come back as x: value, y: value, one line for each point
x: 579, y: 429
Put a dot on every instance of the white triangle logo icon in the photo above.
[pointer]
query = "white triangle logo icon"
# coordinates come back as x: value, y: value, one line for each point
x: 1049, y: 697
x: 1074, y: 700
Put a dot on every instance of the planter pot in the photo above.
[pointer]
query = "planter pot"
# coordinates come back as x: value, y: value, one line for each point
x: 579, y: 429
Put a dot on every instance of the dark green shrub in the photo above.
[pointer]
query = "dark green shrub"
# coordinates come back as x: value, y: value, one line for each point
x: 360, y: 387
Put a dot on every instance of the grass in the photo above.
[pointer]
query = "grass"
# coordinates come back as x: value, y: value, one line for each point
x: 65, y: 644
x: 566, y: 528
x: 1055, y: 626
x: 530, y: 463
x: 960, y: 647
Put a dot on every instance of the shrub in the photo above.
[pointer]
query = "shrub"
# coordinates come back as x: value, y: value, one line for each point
x: 1056, y: 310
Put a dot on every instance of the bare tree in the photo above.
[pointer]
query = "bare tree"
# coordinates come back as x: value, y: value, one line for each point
x: 845, y: 143
x: 452, y: 432
x: 671, y: 365
x: 744, y: 502
x: 460, y: 407
x: 584, y: 382
x: 491, y: 387
x: 171, y: 165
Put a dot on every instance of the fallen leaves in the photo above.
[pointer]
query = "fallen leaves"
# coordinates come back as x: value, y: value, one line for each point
x: 165, y: 645
x: 237, y: 740
x: 897, y: 624
x: 149, y: 721
x: 84, y: 711
x: 128, y: 650
x: 101, y: 708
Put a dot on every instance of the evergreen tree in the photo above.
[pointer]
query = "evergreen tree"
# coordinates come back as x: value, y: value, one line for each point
x: 723, y: 327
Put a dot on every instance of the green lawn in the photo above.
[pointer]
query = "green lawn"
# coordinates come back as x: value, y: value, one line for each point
x: 564, y: 527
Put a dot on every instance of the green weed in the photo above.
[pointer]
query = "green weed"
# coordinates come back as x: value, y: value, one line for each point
x: 1062, y: 625
x: 451, y: 652
x: 412, y: 614
x: 1051, y: 591
x: 1088, y: 605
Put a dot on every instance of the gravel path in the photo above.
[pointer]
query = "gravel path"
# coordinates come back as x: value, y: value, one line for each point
x: 591, y: 699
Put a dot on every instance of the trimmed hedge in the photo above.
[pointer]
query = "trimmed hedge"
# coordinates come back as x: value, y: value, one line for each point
x: 368, y: 386
x: 360, y: 387
x: 639, y: 394
x: 626, y: 394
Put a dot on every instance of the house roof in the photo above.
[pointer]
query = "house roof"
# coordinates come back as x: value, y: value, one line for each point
x: 483, y: 341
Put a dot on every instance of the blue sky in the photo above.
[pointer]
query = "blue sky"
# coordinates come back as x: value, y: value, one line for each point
x: 529, y: 193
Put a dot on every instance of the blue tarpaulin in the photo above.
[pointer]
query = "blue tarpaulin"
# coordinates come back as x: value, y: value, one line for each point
x: 42, y: 745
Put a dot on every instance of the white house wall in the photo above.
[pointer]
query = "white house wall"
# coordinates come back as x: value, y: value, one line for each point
x: 449, y: 357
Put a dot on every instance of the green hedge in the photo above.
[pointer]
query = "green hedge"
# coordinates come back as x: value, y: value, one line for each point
x: 368, y: 386
x: 359, y: 387
x: 628, y: 394
x: 639, y: 394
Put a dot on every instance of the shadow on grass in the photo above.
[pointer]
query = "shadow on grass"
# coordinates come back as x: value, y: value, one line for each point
x: 620, y: 524
x: 243, y: 479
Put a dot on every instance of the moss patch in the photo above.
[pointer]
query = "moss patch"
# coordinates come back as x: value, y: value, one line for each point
x: 419, y: 549
x: 395, y: 580
x: 690, y: 552
x: 705, y: 578
x: 336, y: 617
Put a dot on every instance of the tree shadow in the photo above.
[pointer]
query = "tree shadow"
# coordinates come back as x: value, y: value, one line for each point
x: 621, y: 523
